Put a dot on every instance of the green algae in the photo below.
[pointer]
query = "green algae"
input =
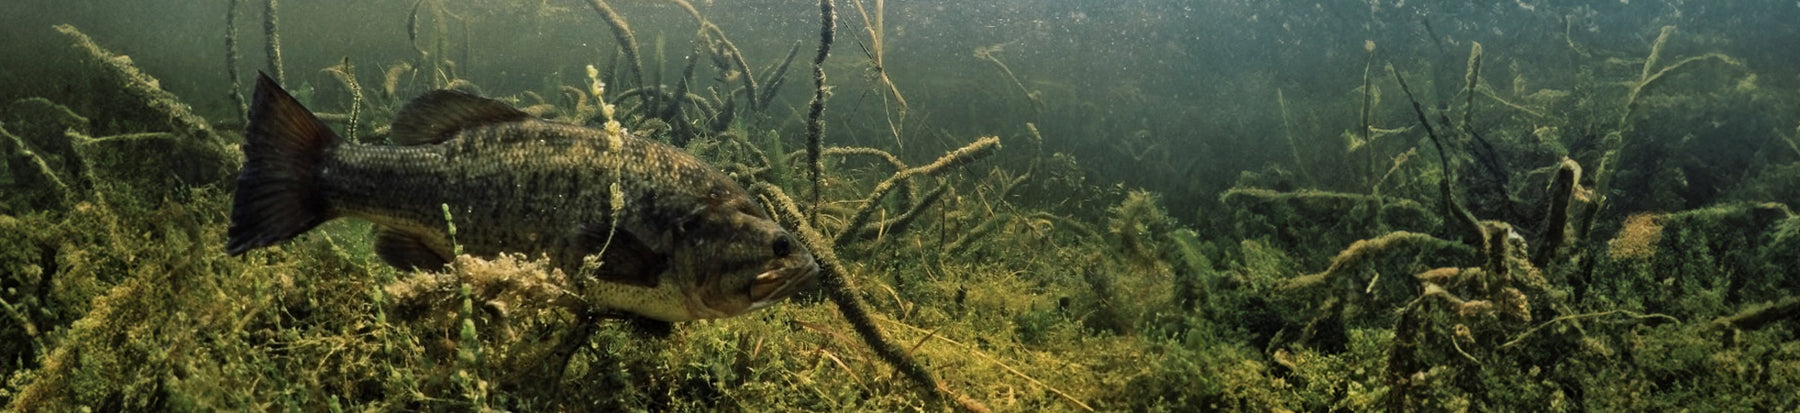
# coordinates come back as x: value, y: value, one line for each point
x: 1014, y: 283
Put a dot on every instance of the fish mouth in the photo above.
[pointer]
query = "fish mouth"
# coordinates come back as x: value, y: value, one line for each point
x: 774, y: 285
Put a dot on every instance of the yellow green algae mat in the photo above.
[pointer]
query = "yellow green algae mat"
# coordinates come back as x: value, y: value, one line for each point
x: 849, y: 205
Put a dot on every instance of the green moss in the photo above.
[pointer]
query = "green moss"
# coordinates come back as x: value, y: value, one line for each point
x: 1202, y: 372
x: 1349, y: 381
x: 1028, y: 287
x: 1702, y: 262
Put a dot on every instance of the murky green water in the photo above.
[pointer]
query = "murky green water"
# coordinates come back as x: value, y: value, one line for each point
x: 1192, y: 206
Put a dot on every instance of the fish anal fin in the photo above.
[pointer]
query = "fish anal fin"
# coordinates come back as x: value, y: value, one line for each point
x: 626, y: 259
x: 437, y: 115
x: 406, y: 252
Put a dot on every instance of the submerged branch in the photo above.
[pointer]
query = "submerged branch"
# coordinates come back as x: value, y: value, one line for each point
x: 979, y: 149
x: 837, y: 285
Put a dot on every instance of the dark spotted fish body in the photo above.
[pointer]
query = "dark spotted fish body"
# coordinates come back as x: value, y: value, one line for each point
x: 646, y: 227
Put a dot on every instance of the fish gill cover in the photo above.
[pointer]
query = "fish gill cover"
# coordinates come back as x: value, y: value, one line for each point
x: 1213, y: 205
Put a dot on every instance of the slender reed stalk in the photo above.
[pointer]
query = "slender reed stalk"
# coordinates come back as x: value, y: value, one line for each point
x: 271, y: 24
x: 231, y: 57
x: 627, y: 40
x: 815, y: 124
x: 1287, y: 124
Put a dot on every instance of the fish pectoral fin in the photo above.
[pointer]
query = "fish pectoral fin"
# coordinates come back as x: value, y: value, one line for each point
x: 625, y: 260
x: 437, y: 115
x: 406, y: 252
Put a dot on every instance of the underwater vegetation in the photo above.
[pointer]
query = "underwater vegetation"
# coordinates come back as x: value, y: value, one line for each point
x: 1615, y: 233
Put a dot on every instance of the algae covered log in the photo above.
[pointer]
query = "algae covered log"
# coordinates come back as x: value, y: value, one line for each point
x: 143, y: 88
x: 199, y: 153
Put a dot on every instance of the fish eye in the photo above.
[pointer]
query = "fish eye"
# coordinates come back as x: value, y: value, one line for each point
x: 783, y: 246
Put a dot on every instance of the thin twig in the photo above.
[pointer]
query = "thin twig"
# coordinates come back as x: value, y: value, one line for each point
x: 1635, y: 315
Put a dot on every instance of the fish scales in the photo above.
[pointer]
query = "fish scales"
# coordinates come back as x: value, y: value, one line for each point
x: 513, y: 184
x: 686, y: 242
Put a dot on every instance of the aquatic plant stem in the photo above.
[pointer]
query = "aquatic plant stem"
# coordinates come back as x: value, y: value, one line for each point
x: 1520, y: 339
x: 876, y: 39
x: 837, y: 286
x: 412, y: 29
x: 1556, y: 221
x: 1656, y: 49
x: 815, y: 124
x: 981, y: 148
x: 877, y: 44
x: 992, y: 359
x: 1361, y: 252
x: 737, y: 57
x: 1496, y: 97
x: 1614, y: 142
x: 1471, y: 79
x: 208, y: 146
x: 961, y: 244
x: 43, y: 167
x: 1453, y: 211
x: 1569, y: 27
x: 707, y: 28
x: 31, y: 329
x: 627, y: 40
x: 270, y: 30
x: 231, y: 58
x: 671, y: 111
x: 896, y: 225
x: 1759, y: 317
x: 346, y: 74
x: 906, y: 192
x: 777, y: 77
x: 1367, y: 102
x: 988, y: 55
x: 1287, y: 125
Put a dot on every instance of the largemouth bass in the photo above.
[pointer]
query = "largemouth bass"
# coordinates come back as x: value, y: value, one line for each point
x: 645, y: 227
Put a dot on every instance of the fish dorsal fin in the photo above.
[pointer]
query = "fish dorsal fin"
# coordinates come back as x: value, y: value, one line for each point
x: 437, y: 115
x: 626, y: 260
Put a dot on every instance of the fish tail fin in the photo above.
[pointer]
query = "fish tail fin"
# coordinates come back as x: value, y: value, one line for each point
x: 278, y: 196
